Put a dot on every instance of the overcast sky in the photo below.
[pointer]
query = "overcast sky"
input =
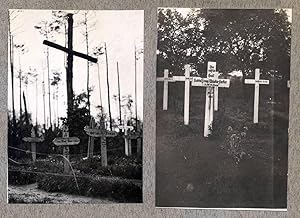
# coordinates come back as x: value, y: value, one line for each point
x: 121, y: 30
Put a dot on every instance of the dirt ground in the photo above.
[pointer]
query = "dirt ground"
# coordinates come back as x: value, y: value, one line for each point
x: 193, y: 171
x: 31, y: 194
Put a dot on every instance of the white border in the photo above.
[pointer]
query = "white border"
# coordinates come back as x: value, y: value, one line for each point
x: 242, y: 209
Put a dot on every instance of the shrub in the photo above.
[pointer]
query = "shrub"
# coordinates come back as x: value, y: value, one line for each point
x: 113, y: 188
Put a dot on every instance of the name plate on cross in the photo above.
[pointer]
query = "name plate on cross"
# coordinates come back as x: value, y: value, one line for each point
x: 99, y: 132
x: 210, y: 82
x: 65, y: 140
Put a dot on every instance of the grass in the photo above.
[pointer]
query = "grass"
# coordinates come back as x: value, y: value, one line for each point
x: 121, y: 180
x: 193, y: 171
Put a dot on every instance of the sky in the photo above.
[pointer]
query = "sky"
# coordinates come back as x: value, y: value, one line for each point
x: 122, y: 31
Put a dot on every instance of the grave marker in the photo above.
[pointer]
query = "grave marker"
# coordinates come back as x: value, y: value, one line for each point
x: 91, y: 140
x: 66, y: 141
x: 33, y: 140
x: 101, y: 133
x: 70, y: 55
x: 166, y: 79
x: 256, y: 81
x: 186, y: 79
x: 211, y: 82
x: 138, y: 136
x: 125, y: 127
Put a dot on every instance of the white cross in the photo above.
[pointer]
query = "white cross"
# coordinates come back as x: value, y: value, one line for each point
x: 211, y: 83
x: 256, y: 82
x: 186, y: 79
x: 125, y: 127
x: 166, y: 81
x: 216, y: 94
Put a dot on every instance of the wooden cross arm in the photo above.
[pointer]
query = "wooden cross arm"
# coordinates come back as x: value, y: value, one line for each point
x: 59, y: 47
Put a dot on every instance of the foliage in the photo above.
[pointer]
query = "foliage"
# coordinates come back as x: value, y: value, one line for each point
x: 235, y: 39
x: 117, y: 189
x: 119, y: 166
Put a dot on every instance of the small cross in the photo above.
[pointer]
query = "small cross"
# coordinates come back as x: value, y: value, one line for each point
x: 166, y: 79
x: 256, y: 82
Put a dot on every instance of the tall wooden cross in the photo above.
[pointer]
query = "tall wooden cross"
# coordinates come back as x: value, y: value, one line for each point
x: 66, y: 141
x: 186, y: 79
x: 211, y: 83
x: 33, y: 140
x: 166, y: 79
x: 256, y: 81
x: 125, y: 127
x: 69, y: 50
x: 101, y: 133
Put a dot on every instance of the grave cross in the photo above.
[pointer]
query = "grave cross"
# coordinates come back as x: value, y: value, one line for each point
x: 101, y: 133
x: 186, y: 79
x: 166, y: 79
x: 211, y: 83
x: 137, y: 135
x: 216, y: 94
x: 256, y: 81
x: 91, y: 140
x: 125, y: 127
x: 69, y: 50
x: 33, y: 140
x: 66, y: 141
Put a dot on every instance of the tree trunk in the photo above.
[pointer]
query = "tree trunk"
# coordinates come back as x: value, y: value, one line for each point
x: 135, y: 91
x: 87, y: 64
x: 70, y: 64
x: 119, y: 94
x: 108, y: 95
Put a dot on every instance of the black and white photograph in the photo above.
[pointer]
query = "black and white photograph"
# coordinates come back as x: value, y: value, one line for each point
x: 75, y: 106
x: 222, y: 108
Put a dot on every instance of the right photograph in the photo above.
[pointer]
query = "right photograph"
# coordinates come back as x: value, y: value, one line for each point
x: 222, y: 107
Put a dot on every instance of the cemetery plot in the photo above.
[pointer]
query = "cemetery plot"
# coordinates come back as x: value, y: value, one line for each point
x: 66, y: 131
x: 222, y: 140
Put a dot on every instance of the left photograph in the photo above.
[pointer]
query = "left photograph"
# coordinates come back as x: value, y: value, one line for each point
x: 75, y: 106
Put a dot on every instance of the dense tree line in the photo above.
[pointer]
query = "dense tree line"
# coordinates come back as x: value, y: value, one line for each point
x: 236, y: 39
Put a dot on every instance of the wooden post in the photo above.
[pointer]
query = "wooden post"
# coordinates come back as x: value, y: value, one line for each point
x: 256, y: 82
x: 209, y: 99
x: 33, y: 140
x: 256, y: 97
x: 166, y: 81
x: 216, y: 94
x: 211, y: 82
x: 165, y: 93
x: 33, y: 145
x: 70, y: 64
x: 187, y: 69
x: 103, y: 151
x: 66, y: 150
x: 186, y: 79
x: 103, y: 134
x: 71, y: 53
x: 125, y: 127
x: 91, y: 140
x: 66, y: 141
